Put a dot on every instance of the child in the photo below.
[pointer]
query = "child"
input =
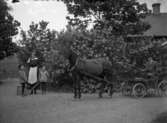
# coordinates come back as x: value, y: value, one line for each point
x: 23, y: 77
x: 43, y: 77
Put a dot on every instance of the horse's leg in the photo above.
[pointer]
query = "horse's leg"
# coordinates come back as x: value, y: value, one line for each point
x: 79, y: 89
x: 78, y: 86
x: 75, y: 92
x: 101, y: 89
x: 74, y: 87
x: 111, y: 90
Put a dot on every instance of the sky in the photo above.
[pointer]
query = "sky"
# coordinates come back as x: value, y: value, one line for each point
x: 27, y: 11
x: 52, y: 11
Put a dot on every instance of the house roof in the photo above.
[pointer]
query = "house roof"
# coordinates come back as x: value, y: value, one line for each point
x: 158, y: 24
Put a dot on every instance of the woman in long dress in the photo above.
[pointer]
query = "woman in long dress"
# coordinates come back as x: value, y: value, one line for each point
x: 33, y: 69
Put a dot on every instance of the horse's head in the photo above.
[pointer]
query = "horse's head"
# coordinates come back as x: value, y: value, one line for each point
x: 71, y: 55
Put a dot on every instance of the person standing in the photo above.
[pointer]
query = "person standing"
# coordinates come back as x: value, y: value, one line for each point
x: 33, y: 62
x: 22, y: 77
x: 43, y: 78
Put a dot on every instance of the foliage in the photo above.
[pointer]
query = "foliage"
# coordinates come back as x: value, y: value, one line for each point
x: 89, y: 44
x: 37, y: 38
x: 8, y: 28
x: 139, y: 52
x: 112, y: 21
x: 45, y: 42
x: 122, y: 17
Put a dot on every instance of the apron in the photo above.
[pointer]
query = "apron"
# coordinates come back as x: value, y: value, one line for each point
x: 32, y: 76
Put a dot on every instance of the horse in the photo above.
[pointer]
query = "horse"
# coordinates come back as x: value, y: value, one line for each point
x: 97, y: 67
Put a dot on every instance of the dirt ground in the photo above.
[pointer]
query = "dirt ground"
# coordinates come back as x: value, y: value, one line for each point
x: 62, y: 108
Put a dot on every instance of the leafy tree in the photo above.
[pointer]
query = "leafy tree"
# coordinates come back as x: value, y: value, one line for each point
x: 121, y: 17
x: 112, y: 21
x: 89, y: 44
x: 45, y: 42
x: 8, y: 28
x: 38, y: 38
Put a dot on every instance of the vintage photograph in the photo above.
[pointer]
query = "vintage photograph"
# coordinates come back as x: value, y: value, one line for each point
x: 83, y: 61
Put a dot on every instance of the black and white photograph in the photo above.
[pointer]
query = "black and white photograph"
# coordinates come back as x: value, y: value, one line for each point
x: 83, y: 61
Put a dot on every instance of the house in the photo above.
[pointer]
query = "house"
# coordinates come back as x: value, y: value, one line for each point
x: 158, y: 22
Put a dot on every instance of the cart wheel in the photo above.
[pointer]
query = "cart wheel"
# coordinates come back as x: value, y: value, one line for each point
x: 162, y: 88
x: 139, y: 90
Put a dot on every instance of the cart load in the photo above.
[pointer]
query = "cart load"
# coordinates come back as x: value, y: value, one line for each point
x: 151, y: 78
